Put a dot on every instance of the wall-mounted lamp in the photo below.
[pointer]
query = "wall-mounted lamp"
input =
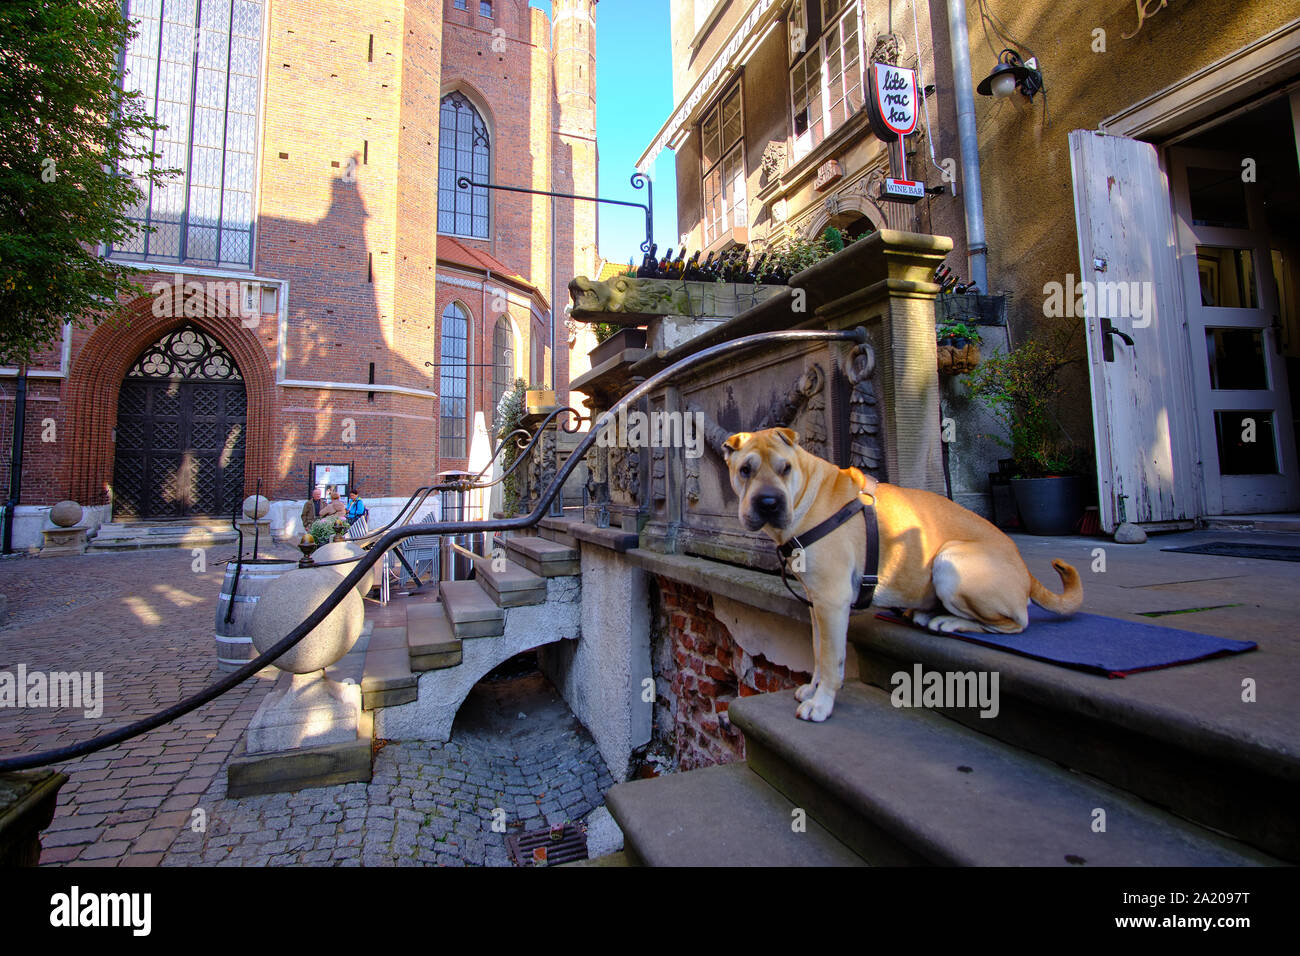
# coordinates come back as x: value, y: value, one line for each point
x: 1011, y: 74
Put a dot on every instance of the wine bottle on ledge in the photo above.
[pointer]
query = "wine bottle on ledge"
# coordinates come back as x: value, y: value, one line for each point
x: 647, y: 269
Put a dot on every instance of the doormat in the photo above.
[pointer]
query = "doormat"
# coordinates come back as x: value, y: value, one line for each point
x: 1102, y: 645
x: 1228, y: 549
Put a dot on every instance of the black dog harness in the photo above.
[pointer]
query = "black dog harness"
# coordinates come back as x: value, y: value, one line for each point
x: 870, y: 572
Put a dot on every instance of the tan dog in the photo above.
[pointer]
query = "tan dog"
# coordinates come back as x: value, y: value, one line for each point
x: 935, y: 555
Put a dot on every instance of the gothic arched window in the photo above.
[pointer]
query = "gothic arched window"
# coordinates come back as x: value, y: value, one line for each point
x: 454, y: 381
x: 463, y: 150
x: 503, y: 359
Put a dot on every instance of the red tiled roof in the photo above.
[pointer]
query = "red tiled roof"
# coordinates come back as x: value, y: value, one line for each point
x: 454, y: 251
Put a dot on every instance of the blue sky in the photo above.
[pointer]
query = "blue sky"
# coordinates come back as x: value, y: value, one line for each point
x: 634, y: 95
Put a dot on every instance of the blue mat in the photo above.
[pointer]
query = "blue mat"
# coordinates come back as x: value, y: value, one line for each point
x: 1103, y: 645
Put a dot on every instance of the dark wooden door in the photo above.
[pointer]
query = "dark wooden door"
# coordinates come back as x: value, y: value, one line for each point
x: 180, y: 441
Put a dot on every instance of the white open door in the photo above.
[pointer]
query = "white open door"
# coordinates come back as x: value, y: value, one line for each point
x: 1137, y: 347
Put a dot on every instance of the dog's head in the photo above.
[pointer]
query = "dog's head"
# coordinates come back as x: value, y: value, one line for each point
x: 766, y: 474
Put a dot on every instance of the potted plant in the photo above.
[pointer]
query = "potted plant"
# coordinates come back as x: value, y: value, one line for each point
x: 1022, y: 389
x: 958, y: 348
x: 322, y: 531
x: 510, y: 416
x: 612, y: 340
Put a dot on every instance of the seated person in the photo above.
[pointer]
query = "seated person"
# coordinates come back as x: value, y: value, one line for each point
x: 356, y: 507
x: 333, y: 508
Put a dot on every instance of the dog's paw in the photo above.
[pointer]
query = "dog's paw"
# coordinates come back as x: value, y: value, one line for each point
x: 817, y: 709
x: 805, y: 691
x: 950, y: 624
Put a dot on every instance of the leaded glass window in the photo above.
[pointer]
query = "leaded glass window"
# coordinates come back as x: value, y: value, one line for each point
x: 198, y: 66
x: 454, y: 381
x: 503, y: 359
x: 463, y: 150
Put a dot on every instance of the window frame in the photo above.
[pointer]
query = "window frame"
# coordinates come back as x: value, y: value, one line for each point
x: 460, y: 4
x: 804, y: 143
x: 503, y: 373
x: 191, y: 189
x: 715, y: 223
x: 454, y: 368
x: 457, y: 172
x: 485, y: 4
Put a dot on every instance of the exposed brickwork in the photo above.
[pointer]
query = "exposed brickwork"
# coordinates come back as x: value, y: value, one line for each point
x: 699, y: 671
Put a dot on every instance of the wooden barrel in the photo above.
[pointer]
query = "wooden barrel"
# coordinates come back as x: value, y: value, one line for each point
x: 234, y: 643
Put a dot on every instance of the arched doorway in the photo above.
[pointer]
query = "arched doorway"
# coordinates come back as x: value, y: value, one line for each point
x: 181, y: 423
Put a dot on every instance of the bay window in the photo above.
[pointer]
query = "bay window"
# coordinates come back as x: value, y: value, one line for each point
x: 722, y: 153
x: 826, y: 87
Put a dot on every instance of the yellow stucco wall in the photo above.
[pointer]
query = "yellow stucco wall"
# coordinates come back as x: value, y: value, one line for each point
x: 1028, y: 196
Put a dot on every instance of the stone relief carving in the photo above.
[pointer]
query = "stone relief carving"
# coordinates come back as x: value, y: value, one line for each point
x: 624, y: 294
x: 625, y: 472
x: 807, y: 393
x: 773, y: 160
x: 889, y: 47
x: 866, y: 448
x: 658, y: 469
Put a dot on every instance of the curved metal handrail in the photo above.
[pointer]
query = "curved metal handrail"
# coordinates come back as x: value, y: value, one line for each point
x: 471, y: 484
x: 353, y: 577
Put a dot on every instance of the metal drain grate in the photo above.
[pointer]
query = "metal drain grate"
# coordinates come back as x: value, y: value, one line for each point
x: 570, y: 845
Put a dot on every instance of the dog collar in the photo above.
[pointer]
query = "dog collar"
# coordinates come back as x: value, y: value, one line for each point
x: 870, y: 571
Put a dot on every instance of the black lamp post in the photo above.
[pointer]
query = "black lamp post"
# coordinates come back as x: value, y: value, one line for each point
x: 639, y: 180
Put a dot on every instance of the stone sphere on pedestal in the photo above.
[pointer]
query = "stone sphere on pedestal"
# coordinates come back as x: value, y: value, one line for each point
x: 337, y: 551
x: 285, y: 604
x: 66, y: 514
x: 256, y: 506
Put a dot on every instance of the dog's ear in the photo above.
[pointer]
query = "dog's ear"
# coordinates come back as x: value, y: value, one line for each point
x: 789, y: 436
x: 733, y: 444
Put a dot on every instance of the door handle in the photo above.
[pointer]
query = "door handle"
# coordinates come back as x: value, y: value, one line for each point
x: 1107, y: 346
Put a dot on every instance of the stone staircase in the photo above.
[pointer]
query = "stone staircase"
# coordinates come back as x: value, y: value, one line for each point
x: 194, y: 533
x: 883, y: 785
x: 425, y: 655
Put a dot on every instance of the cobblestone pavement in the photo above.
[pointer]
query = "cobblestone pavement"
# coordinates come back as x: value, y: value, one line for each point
x: 144, y: 620
x: 428, y: 804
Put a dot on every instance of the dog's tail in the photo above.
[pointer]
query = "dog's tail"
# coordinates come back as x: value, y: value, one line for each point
x: 1065, y: 603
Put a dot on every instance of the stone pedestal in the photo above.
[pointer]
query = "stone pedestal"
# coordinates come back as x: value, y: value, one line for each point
x: 60, y: 541
x: 307, y: 710
x: 261, y: 527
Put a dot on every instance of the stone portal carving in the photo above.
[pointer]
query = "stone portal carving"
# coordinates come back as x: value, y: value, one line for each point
x: 866, y: 450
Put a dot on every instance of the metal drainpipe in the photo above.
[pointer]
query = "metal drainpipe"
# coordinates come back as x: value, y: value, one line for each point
x: 977, y: 248
x: 15, y: 461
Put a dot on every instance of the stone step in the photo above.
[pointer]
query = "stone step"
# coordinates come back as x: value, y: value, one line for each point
x: 429, y: 640
x: 512, y: 585
x: 1289, y: 523
x: 906, y: 786
x: 718, y: 816
x: 471, y: 610
x: 1179, y: 737
x: 556, y: 529
x: 545, y: 557
x: 129, y: 537
x: 387, y: 679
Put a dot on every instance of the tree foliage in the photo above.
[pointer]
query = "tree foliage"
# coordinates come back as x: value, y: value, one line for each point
x: 69, y: 134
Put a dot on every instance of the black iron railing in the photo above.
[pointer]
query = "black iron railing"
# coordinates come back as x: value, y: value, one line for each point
x: 398, y: 534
